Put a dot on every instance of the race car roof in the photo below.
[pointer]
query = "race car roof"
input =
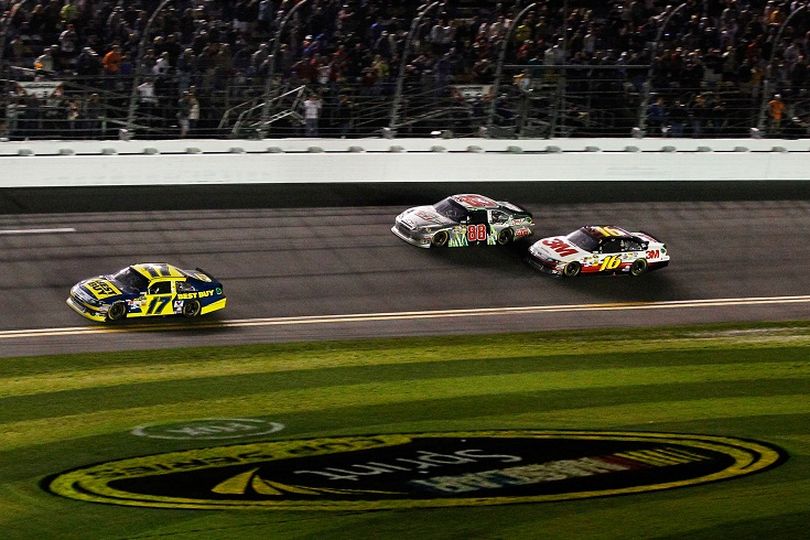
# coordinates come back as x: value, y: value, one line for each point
x: 606, y: 231
x: 472, y: 201
x: 156, y: 270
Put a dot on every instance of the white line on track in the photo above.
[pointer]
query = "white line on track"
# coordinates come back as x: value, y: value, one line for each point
x: 38, y: 231
x: 409, y: 315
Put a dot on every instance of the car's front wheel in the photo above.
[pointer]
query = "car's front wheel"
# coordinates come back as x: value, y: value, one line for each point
x: 191, y: 308
x: 505, y: 236
x: 117, y: 311
x: 638, y: 267
x: 440, y: 239
x: 572, y: 269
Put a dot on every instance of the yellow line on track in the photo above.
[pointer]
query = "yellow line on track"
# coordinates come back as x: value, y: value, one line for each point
x: 406, y: 315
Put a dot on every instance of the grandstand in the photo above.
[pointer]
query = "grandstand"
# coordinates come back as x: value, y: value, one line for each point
x: 254, y: 68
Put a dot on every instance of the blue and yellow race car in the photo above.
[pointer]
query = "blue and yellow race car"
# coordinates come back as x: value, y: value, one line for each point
x: 147, y: 290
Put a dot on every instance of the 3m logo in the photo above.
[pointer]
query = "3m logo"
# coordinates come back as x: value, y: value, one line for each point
x: 560, y: 247
x: 392, y: 471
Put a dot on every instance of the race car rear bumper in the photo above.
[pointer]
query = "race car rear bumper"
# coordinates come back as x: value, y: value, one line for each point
x: 214, y: 306
x: 656, y: 265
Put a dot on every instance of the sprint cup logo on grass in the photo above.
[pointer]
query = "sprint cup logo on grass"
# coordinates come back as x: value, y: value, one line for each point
x: 375, y: 472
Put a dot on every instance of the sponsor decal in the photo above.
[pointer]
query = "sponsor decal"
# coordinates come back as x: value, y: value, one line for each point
x: 209, y: 429
x: 102, y: 288
x: 375, y: 472
x: 199, y: 294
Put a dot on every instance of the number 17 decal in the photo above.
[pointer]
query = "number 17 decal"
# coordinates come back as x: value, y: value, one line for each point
x: 156, y: 305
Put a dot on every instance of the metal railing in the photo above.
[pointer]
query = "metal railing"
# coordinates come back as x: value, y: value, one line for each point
x: 532, y: 101
x: 567, y: 100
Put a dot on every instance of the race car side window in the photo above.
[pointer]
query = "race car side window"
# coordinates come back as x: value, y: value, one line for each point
x: 610, y: 245
x: 499, y: 217
x: 478, y: 216
x: 451, y: 210
x: 631, y: 245
x: 160, y: 287
x: 183, y: 286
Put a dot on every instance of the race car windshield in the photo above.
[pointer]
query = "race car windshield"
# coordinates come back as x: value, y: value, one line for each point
x: 451, y: 209
x: 131, y: 279
x: 583, y: 240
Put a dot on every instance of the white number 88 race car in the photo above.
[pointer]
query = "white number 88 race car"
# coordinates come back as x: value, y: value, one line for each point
x: 463, y: 220
x: 599, y: 250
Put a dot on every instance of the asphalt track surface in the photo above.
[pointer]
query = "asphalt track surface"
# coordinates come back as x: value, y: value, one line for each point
x: 333, y: 273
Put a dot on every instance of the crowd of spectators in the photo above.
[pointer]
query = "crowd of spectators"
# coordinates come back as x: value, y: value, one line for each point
x: 704, y: 77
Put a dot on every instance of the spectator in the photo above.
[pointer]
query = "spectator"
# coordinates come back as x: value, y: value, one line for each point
x: 73, y: 114
x: 112, y: 61
x: 147, y: 99
x: 45, y: 63
x: 679, y: 117
x: 68, y: 46
x: 344, y: 115
x: 93, y: 114
x: 312, y: 109
x: 184, y: 113
x: 69, y: 13
x: 193, y: 111
x: 657, y: 117
x: 88, y: 63
x: 776, y: 112
x: 162, y: 65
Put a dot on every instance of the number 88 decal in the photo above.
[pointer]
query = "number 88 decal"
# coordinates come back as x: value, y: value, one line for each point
x: 477, y: 233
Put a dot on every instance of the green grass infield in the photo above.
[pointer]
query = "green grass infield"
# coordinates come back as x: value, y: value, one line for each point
x: 66, y: 412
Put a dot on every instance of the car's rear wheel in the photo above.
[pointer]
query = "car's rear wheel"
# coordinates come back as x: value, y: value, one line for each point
x: 638, y: 267
x: 572, y: 269
x: 191, y: 308
x: 117, y: 311
x: 505, y: 236
x: 440, y: 239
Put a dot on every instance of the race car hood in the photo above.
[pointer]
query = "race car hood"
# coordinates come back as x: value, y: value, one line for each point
x: 101, y: 288
x: 423, y: 216
x: 558, y: 248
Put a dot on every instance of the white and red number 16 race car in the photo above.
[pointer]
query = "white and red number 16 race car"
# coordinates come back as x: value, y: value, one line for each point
x: 599, y: 250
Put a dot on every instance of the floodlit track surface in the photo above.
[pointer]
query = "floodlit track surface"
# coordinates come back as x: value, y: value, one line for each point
x: 322, y: 273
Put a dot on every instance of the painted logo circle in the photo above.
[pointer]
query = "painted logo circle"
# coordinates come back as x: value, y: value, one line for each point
x: 375, y: 472
x: 209, y: 429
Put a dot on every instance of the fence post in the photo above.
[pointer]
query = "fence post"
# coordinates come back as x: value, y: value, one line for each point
x: 645, y: 100
x: 395, y: 106
x: 501, y: 58
x: 136, y: 78
x: 766, y: 84
x: 268, y: 85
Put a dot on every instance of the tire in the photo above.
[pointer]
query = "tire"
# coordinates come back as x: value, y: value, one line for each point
x: 505, y: 236
x: 638, y: 267
x: 191, y: 308
x: 572, y: 269
x: 117, y: 312
x: 440, y: 239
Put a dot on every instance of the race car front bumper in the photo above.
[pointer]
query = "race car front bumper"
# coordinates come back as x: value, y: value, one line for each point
x: 417, y: 240
x: 87, y: 312
x: 547, y: 266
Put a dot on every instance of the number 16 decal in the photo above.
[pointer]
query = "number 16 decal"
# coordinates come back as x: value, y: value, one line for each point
x: 477, y: 233
x: 610, y: 263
